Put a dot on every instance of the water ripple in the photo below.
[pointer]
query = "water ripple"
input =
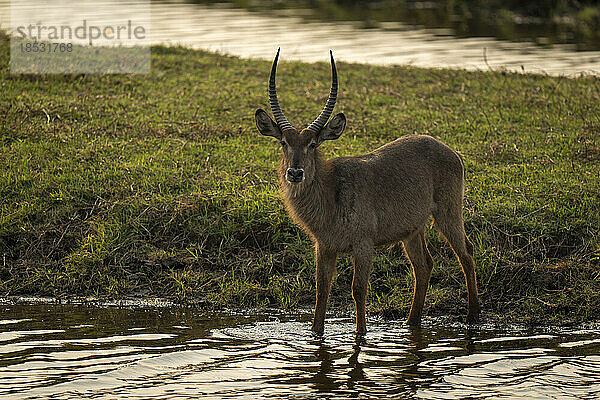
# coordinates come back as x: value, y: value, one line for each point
x: 108, y: 353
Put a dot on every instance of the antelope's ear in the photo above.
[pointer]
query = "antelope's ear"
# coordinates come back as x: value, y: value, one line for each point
x: 334, y: 128
x: 266, y: 126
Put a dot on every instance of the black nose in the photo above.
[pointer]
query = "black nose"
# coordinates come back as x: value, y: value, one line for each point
x: 295, y: 174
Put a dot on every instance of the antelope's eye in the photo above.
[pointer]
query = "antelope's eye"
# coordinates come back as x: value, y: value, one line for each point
x: 312, y: 145
x: 283, y: 143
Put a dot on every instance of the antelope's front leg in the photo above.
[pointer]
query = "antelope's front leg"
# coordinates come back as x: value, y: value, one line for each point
x: 363, y: 257
x: 325, y: 270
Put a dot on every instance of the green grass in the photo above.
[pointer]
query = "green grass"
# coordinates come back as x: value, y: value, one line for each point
x: 159, y: 185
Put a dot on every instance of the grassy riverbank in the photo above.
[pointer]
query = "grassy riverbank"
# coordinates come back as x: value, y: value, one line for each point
x: 159, y: 185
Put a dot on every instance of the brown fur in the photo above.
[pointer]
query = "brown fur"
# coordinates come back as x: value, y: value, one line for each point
x: 353, y: 204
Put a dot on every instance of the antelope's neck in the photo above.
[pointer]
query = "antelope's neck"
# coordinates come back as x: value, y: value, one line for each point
x: 311, y: 204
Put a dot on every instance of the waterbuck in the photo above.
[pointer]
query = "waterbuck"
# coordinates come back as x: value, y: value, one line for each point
x: 352, y: 204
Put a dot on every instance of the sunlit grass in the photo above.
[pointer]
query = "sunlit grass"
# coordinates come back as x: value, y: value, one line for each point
x: 159, y: 185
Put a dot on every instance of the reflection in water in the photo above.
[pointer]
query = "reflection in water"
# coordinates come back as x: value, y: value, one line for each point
x: 357, y: 372
x: 543, y: 22
x: 323, y: 379
x: 72, y: 352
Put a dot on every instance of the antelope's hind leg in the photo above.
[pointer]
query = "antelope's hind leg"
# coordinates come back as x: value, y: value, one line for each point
x: 452, y: 227
x: 422, y: 264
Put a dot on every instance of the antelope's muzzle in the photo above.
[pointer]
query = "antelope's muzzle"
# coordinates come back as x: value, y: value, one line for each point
x: 295, y: 175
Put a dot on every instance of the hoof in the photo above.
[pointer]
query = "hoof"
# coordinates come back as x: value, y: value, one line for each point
x: 317, y: 330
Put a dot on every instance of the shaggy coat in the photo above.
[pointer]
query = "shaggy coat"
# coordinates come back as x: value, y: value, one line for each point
x: 353, y: 204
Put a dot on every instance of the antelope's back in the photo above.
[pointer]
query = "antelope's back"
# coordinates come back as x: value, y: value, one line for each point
x: 397, y: 186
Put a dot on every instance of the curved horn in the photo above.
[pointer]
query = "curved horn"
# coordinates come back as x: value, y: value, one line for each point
x: 282, y: 122
x: 321, y: 120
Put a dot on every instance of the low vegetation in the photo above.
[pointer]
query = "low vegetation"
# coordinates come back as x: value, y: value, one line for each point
x: 159, y: 185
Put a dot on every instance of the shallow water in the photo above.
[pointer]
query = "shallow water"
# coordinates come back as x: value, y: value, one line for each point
x: 79, y: 351
x: 236, y: 31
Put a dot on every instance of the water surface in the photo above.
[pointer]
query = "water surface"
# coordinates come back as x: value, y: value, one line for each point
x: 78, y: 351
x: 257, y: 34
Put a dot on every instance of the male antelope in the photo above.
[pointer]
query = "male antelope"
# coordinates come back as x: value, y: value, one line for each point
x: 351, y: 204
